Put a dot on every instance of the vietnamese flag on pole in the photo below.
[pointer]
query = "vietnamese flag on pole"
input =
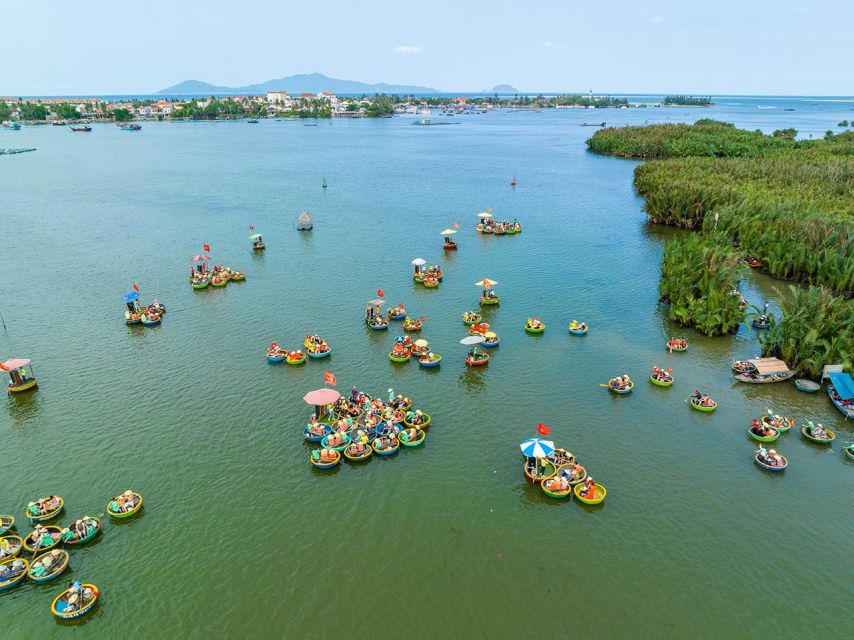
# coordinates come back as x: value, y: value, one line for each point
x: 380, y: 293
x: 456, y: 225
x: 329, y: 378
x: 206, y: 247
x: 136, y: 287
x: 543, y: 429
x: 252, y: 227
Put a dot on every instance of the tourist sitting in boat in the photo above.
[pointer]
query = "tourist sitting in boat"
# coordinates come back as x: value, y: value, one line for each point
x: 334, y: 439
x: 817, y: 431
x: 535, y: 323
x: 10, y: 570
x: 479, y: 328
x: 295, y: 355
x: 578, y: 326
x: 417, y: 417
x: 622, y: 382
x: 743, y: 366
x: 409, y: 434
x: 41, y: 537
x: 474, y: 354
x: 769, y: 457
x: 761, y: 430
x: 472, y: 316
x: 123, y: 503
x: 677, y: 343
x: 45, y: 564
x: 43, y: 506
x: 328, y: 455
x: 410, y: 324
x: 660, y: 374
x: 557, y: 484
x: 399, y: 310
x: 489, y: 293
x: 398, y: 350
x: 589, y: 490
x: 702, y: 399
x: 428, y: 357
x: 5, y: 549
x: 384, y: 442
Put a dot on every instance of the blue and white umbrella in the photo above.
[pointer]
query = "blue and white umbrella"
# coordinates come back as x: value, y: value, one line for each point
x: 537, y: 448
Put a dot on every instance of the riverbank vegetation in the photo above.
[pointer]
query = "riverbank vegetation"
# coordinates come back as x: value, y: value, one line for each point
x: 688, y: 101
x: 698, y: 277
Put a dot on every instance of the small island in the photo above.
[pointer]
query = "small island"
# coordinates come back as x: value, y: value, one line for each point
x: 687, y: 101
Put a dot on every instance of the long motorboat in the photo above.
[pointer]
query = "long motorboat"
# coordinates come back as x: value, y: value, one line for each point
x: 82, y: 127
x: 765, y: 371
x: 841, y: 392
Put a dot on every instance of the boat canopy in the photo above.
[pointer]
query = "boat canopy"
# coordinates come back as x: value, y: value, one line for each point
x: 255, y: 236
x: 304, y: 217
x: 133, y: 296
x: 767, y: 366
x: 14, y: 363
x: 844, y: 385
x: 376, y: 302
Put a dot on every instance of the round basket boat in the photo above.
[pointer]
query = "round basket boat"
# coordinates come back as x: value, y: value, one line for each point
x: 677, y: 349
x: 62, y: 609
x: 6, y: 523
x: 761, y: 325
x: 318, y: 355
x: 627, y: 389
x: 399, y: 359
x: 787, y: 424
x: 388, y: 450
x: 430, y: 283
x: 316, y: 437
x: 479, y: 362
x: 470, y: 319
x: 345, y: 442
x: 414, y: 325
x: 548, y: 472
x: 423, y: 426
x: 133, y: 318
x: 752, y: 433
x: 449, y: 246
x: 661, y: 383
x: 50, y: 515
x: 317, y: 463
x: 530, y: 329
x: 26, y: 386
x: 598, y: 499
x: 419, y: 438
x: 377, y: 326
x: 352, y: 453
x: 397, y: 316
x: 491, y: 345
x: 203, y: 284
x: 113, y: 507
x: 578, y: 330
x: 573, y: 480
x: 556, y: 493
x: 15, y: 544
x: 427, y: 364
x: 295, y: 361
x: 18, y: 577
x: 849, y: 452
x: 55, y: 534
x: 485, y: 302
x: 759, y: 462
x: 59, y: 563
x: 831, y: 436
x: 807, y: 386
x: 219, y: 282
x: 695, y: 404
x: 238, y: 277
x: 150, y: 321
x: 89, y: 535
x: 276, y: 358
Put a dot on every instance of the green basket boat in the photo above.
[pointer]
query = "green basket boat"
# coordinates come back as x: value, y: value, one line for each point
x: 558, y: 495
x: 490, y: 301
x: 695, y: 404
x: 530, y: 329
x: 419, y: 438
x: 661, y: 383
x: 398, y: 359
x: 758, y: 438
x: 113, y: 506
x: 831, y: 436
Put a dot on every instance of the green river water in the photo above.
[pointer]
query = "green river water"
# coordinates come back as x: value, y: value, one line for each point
x: 240, y: 538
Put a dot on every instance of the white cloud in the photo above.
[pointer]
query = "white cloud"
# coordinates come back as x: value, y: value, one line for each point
x: 408, y: 49
x: 551, y: 45
x: 657, y: 20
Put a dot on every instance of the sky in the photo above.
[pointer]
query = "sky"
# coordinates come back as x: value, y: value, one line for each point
x: 752, y: 47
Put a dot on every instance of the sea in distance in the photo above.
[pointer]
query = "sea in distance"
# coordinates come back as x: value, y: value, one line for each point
x: 241, y: 538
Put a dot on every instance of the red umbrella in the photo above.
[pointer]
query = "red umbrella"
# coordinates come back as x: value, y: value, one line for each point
x: 320, y: 397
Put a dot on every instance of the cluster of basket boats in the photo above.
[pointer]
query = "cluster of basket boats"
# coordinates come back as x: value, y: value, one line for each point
x: 219, y: 276
x: 361, y: 426
x: 48, y: 561
x: 316, y: 347
x: 559, y: 474
x: 490, y: 226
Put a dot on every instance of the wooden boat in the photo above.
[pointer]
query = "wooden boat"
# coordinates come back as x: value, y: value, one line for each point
x: 598, y: 499
x: 768, y: 378
x: 787, y: 423
x: 15, y: 544
x: 807, y: 386
x: 428, y: 364
x: 695, y: 404
x: 530, y: 329
x: 294, y: 361
x: 484, y: 301
x: 6, y: 523
x: 578, y: 329
x: 16, y: 579
x: 351, y: 452
x: 470, y: 318
x: 388, y: 450
x: 534, y: 474
x: 61, y: 607
x: 415, y: 441
x: 113, y: 507
x: 764, y: 371
x: 313, y: 437
x: 555, y: 493
x: 345, y: 441
x: 31, y: 546
x: 753, y: 434
x: 90, y: 535
x: 423, y: 426
x: 627, y: 389
x: 847, y: 410
x: 317, y: 463
x: 84, y: 128
x: 50, y: 515
x: 806, y: 433
x: 667, y: 382
x: 675, y: 346
x: 320, y: 354
x: 450, y: 246
x: 57, y: 563
x: 769, y: 467
x: 479, y: 361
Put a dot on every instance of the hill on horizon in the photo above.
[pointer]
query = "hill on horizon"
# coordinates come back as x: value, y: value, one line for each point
x: 504, y: 88
x: 299, y: 83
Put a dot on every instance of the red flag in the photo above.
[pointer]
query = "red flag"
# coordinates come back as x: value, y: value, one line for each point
x: 3, y: 367
x: 456, y: 225
x: 543, y: 429
x: 329, y: 378
x: 380, y: 293
x: 206, y: 247
x: 136, y: 287
x: 251, y: 227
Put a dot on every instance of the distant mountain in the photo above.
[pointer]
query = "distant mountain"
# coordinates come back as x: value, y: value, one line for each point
x: 504, y: 88
x: 300, y: 83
